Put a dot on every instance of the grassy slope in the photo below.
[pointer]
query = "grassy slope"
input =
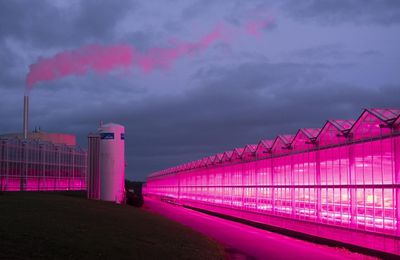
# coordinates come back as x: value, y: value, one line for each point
x: 61, y: 226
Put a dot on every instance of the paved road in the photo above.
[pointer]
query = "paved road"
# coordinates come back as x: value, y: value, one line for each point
x: 244, y: 242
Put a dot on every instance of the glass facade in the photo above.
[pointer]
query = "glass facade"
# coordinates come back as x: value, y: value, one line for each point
x: 345, y: 174
x: 31, y: 165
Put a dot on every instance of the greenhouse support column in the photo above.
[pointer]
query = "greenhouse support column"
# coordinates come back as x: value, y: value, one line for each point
x: 318, y: 183
x: 179, y: 187
x: 85, y: 171
x: 353, y: 191
x: 2, y: 166
x: 255, y: 182
x: 243, y: 173
x: 292, y: 189
x: 2, y: 163
x: 272, y: 185
x: 74, y: 152
x: 43, y: 162
x: 396, y: 146
x: 40, y: 161
x: 24, y: 169
x: 59, y: 168
x: 7, y: 163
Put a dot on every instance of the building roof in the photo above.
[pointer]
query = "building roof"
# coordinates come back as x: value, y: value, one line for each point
x: 381, y: 120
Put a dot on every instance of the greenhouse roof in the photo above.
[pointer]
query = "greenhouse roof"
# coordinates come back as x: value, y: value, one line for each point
x: 372, y: 122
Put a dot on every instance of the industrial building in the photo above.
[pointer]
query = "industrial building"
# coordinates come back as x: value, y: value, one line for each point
x: 40, y: 161
x: 340, y: 182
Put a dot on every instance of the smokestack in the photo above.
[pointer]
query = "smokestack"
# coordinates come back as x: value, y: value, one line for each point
x: 26, y: 115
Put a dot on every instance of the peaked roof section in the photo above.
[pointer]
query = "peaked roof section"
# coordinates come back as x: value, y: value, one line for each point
x: 385, y: 115
x: 397, y: 122
x: 249, y: 151
x: 227, y: 156
x: 250, y: 148
x: 342, y: 125
x: 208, y: 160
x: 190, y: 165
x: 200, y: 162
x: 305, y: 138
x: 389, y: 115
x: 237, y: 153
x: 373, y: 122
x: 212, y: 159
x: 333, y: 130
x: 311, y: 133
x: 263, y: 147
x: 204, y: 162
x: 282, y: 142
x: 218, y: 158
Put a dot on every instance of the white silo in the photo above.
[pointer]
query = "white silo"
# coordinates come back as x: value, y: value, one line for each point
x: 112, y: 162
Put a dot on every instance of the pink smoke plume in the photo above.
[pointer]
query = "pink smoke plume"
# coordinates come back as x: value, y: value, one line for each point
x: 164, y: 57
x: 255, y: 27
x: 103, y: 59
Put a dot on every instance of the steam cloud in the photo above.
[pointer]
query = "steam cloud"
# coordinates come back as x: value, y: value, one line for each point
x: 103, y: 59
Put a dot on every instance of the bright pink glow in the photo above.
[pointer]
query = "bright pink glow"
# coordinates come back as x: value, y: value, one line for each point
x: 41, y: 166
x: 345, y: 174
x: 103, y: 59
x: 249, y: 241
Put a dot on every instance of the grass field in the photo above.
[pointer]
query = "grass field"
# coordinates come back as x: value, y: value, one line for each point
x: 68, y: 226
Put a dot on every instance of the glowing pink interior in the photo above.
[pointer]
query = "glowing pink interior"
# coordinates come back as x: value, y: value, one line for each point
x: 345, y: 174
x: 29, y: 165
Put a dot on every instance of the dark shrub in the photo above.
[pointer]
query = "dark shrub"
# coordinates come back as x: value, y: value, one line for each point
x: 134, y: 199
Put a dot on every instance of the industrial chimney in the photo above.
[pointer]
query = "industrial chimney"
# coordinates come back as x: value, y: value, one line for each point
x: 26, y: 115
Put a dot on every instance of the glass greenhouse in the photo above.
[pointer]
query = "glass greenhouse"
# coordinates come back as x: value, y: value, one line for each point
x: 32, y: 165
x: 331, y: 180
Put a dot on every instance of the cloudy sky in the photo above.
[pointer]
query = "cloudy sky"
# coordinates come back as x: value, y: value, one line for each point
x: 315, y: 60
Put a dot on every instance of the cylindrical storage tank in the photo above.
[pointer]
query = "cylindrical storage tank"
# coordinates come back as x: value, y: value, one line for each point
x: 112, y: 162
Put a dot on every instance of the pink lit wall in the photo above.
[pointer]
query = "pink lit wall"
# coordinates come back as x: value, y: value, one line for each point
x: 342, y: 175
x: 32, y: 165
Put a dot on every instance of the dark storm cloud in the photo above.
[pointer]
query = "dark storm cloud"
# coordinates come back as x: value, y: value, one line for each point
x: 259, y: 88
x: 227, y: 107
x: 334, y: 52
x: 197, y: 8
x: 8, y: 78
x: 232, y: 107
x: 382, y: 12
x: 43, y: 24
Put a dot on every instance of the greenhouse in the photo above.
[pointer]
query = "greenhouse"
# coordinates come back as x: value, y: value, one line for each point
x: 331, y: 180
x: 32, y: 165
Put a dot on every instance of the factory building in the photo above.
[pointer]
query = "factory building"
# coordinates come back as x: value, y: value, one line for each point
x: 340, y: 182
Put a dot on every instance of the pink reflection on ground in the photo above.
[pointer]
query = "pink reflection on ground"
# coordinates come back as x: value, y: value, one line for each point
x: 245, y: 242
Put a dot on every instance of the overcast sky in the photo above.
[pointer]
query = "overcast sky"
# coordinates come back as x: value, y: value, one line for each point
x: 317, y: 60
